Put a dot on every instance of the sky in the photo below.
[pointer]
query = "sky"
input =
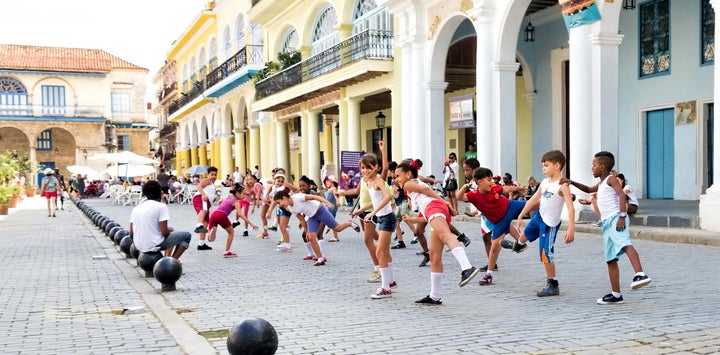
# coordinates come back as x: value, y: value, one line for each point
x: 139, y: 31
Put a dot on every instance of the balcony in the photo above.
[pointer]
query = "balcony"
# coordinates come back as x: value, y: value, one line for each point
x: 250, y: 54
x: 41, y: 111
x: 370, y: 44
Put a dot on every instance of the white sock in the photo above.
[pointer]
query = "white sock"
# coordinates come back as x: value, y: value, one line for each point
x: 461, y: 257
x: 436, y: 285
x: 377, y: 268
x: 321, y: 242
x: 640, y: 273
x: 391, y: 275
x: 309, y: 248
x: 617, y: 294
x: 199, y: 225
x: 384, y: 278
x: 287, y: 245
x: 490, y: 272
x: 201, y: 242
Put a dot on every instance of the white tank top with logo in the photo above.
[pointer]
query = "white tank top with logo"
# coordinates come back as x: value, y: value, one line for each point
x: 551, y: 203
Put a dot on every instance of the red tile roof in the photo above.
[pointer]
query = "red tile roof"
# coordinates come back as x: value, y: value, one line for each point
x: 76, y: 60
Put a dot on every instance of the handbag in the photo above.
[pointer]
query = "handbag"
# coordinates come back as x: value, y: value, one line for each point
x: 451, y: 184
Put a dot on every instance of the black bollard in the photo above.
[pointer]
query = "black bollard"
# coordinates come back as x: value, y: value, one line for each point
x: 119, y: 235
x: 109, y: 227
x: 252, y: 336
x: 133, y: 251
x: 147, y: 261
x: 113, y: 232
x: 167, y: 271
x: 125, y: 244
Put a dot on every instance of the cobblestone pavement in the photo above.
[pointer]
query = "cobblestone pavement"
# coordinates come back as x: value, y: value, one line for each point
x: 57, y: 299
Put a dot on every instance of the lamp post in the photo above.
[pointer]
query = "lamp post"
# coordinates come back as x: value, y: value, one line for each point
x: 529, y: 32
x: 629, y: 4
x: 380, y: 122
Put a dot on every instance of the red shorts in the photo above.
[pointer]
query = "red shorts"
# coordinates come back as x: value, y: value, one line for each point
x: 437, y: 208
x: 200, y: 205
x: 50, y: 195
x: 219, y: 218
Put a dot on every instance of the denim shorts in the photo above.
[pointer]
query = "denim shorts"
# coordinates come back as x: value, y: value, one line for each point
x: 385, y: 223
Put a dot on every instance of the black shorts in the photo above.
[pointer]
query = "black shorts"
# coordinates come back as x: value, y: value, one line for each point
x: 165, y: 189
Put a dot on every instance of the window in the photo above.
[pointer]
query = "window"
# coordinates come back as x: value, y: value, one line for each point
x: 121, y: 107
x: 290, y: 43
x: 654, y: 37
x: 44, y: 140
x: 240, y: 32
x: 324, y: 34
x: 707, y: 30
x: 228, y: 42
x: 13, y: 97
x: 123, y: 142
x: 212, y: 52
x: 53, y: 100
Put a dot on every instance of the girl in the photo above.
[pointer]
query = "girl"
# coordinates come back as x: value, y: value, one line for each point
x: 450, y: 180
x: 437, y: 213
x: 253, y: 193
x: 383, y: 217
x: 283, y: 215
x: 277, y: 185
x: 331, y: 195
x: 220, y: 217
x: 313, y: 207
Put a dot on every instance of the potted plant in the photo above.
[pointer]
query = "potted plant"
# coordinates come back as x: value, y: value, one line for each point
x: 4, y: 200
x: 14, y: 192
x: 30, y: 190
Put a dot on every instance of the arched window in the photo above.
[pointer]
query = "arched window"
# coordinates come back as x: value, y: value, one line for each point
x: 324, y: 34
x: 290, y: 41
x: 367, y: 16
x: 185, y: 77
x: 227, y: 40
x: 240, y: 32
x: 212, y: 52
x: 202, y: 64
x: 193, y: 70
x: 13, y: 97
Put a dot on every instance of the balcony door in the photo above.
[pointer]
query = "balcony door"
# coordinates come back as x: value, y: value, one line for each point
x: 53, y: 100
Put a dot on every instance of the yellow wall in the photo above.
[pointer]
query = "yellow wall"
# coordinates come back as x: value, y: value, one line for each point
x: 524, y: 134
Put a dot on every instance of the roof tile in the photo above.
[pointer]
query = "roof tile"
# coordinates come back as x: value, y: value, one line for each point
x: 38, y: 58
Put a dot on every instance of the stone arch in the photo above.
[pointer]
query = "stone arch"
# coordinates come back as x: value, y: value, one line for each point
x: 440, y: 45
x: 510, y: 21
x: 229, y: 124
x: 186, y: 139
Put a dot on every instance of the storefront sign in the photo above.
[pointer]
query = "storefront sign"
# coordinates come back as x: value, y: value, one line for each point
x: 461, y: 112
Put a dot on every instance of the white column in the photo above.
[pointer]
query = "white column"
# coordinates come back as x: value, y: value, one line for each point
x: 710, y: 201
x: 397, y: 150
x: 417, y: 115
x: 240, y: 150
x: 255, y: 152
x: 304, y: 142
x: 433, y: 143
x: 226, y: 159
x: 353, y: 124
x: 313, y: 146
x: 605, y: 88
x: 343, y: 128
x: 504, y: 119
x: 580, y: 129
x: 484, y: 89
x: 282, y: 144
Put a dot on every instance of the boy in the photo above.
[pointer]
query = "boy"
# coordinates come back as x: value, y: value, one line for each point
x: 545, y: 224
x: 489, y: 199
x: 614, y: 228
x: 149, y: 225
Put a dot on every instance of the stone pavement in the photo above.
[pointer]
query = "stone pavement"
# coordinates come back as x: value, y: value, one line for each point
x: 58, y: 299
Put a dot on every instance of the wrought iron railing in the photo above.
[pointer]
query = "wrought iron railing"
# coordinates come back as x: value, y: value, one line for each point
x: 51, y: 111
x: 370, y: 44
x: 251, y: 54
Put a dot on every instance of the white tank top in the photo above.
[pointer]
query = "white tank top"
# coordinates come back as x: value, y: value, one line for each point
x: 420, y: 200
x: 607, y: 200
x: 551, y: 203
x: 209, y: 191
x: 376, y: 196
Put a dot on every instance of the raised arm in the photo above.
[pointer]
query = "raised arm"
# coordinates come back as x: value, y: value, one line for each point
x: 384, y: 158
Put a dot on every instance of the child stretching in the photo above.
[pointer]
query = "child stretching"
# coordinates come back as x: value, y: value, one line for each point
x: 331, y: 195
x: 220, y: 217
x: 311, y: 206
x: 616, y: 235
x: 489, y: 199
x: 546, y: 222
x: 383, y: 217
x: 438, y: 214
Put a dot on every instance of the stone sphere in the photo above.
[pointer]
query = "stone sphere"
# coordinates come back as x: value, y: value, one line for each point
x: 125, y: 244
x: 133, y: 251
x: 147, y: 261
x: 119, y: 235
x: 252, y: 336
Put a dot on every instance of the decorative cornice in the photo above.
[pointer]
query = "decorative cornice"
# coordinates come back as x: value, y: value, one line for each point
x: 505, y: 66
x: 293, y: 110
x: 606, y: 39
x: 324, y: 100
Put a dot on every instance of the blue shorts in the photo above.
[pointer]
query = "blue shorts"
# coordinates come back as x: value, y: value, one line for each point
x: 281, y: 212
x: 503, y: 226
x: 323, y: 216
x: 176, y: 238
x: 537, y: 228
x: 385, y: 223
x: 615, y: 240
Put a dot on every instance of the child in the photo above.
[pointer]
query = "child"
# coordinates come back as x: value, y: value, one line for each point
x: 437, y: 213
x: 283, y: 215
x: 202, y: 201
x: 614, y: 228
x: 490, y: 200
x: 469, y: 167
x: 312, y: 207
x: 220, y: 217
x: 384, y: 218
x: 546, y: 222
x: 331, y: 195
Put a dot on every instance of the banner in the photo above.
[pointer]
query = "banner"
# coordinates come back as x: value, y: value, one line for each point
x: 461, y: 112
x: 579, y: 12
x: 349, y: 167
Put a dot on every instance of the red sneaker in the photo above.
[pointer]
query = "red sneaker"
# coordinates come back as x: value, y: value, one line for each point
x: 229, y: 254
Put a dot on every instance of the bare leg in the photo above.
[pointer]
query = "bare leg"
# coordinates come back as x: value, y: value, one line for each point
x: 231, y: 235
x: 614, y: 274
x: 633, y: 257
x: 283, y: 225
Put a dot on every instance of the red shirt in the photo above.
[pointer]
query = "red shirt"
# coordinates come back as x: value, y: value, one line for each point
x: 493, y: 205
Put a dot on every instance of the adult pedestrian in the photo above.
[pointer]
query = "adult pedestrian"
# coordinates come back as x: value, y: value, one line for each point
x: 50, y: 188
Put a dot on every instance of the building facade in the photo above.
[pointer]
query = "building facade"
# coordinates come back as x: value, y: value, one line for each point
x: 59, y: 106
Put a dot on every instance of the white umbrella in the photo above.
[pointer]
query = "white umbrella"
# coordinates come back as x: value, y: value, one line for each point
x: 128, y: 170
x: 124, y: 157
x: 84, y: 170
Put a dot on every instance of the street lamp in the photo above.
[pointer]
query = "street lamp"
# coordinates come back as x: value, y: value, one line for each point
x: 56, y: 151
x: 529, y: 32
x: 380, y: 122
x: 629, y: 4
x: 84, y: 151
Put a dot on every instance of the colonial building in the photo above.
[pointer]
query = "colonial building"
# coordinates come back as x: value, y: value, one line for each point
x: 61, y: 105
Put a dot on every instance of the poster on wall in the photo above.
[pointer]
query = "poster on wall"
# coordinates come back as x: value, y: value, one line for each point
x: 579, y: 12
x: 685, y: 113
x: 461, y: 112
x: 294, y: 142
x: 349, y: 168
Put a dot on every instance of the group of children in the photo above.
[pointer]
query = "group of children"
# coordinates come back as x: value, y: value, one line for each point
x: 380, y: 216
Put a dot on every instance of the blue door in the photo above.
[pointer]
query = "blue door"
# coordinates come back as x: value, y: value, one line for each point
x: 660, y: 153
x: 44, y: 165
